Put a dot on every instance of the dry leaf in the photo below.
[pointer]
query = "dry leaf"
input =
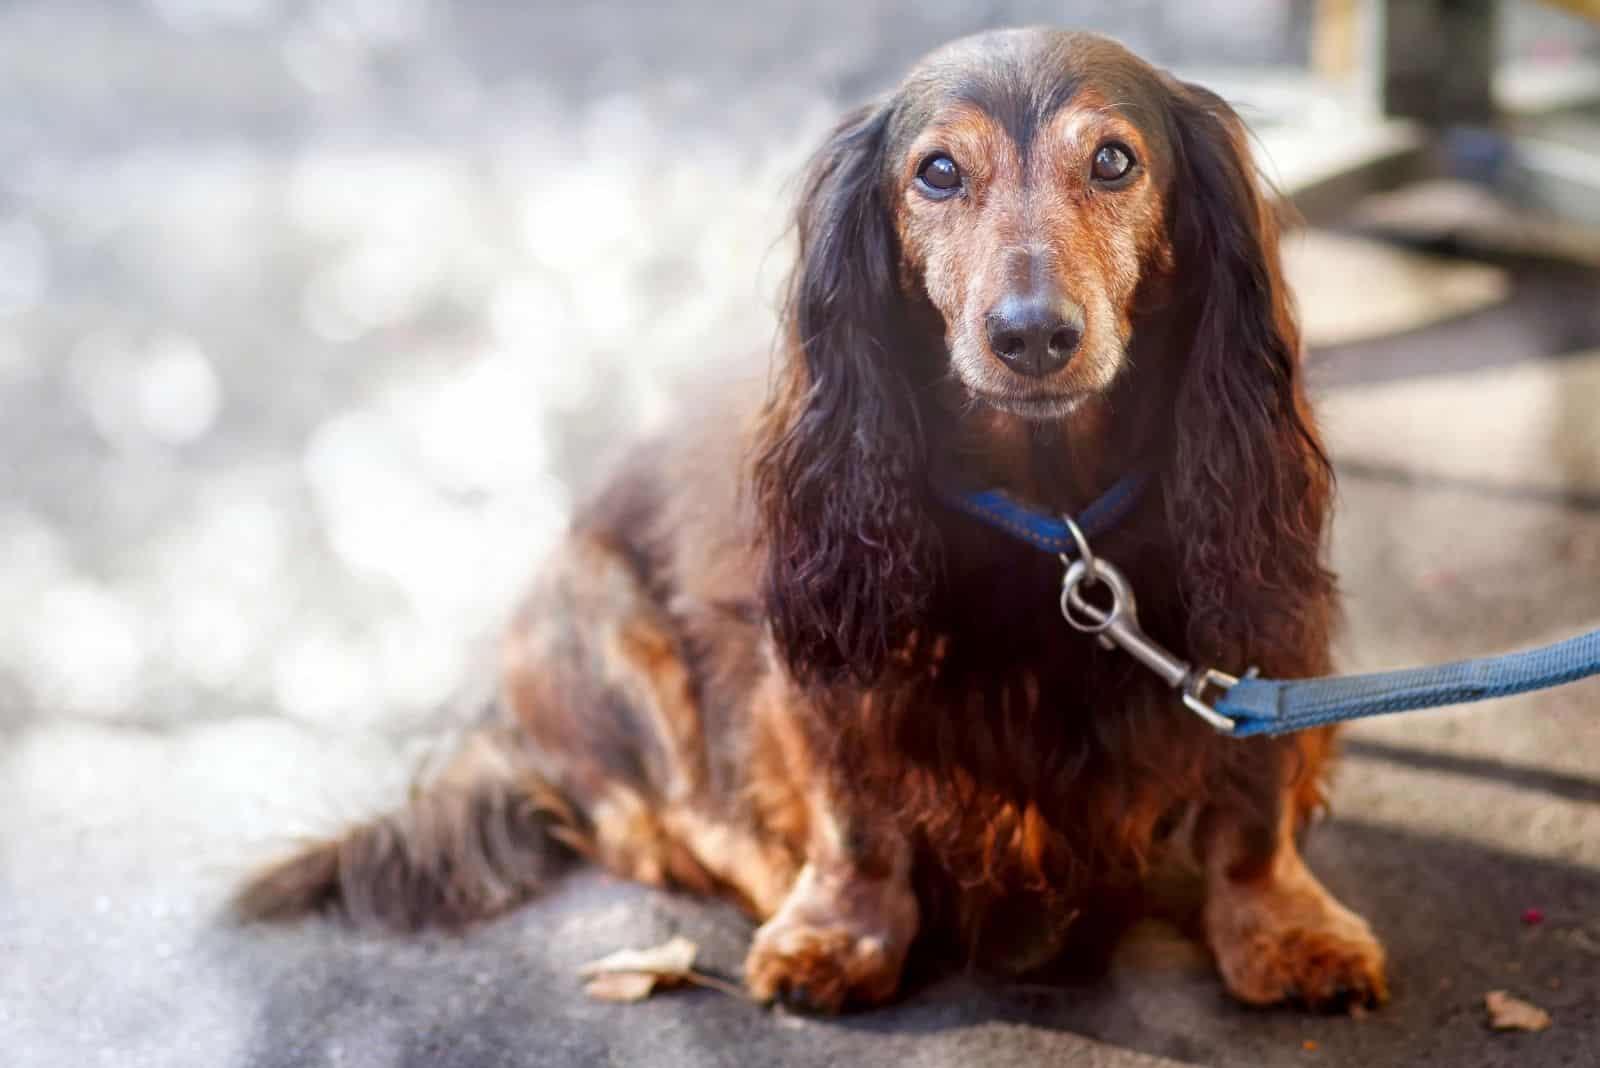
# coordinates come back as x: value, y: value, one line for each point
x: 672, y: 957
x: 635, y: 974
x: 1507, y: 1013
x: 621, y: 986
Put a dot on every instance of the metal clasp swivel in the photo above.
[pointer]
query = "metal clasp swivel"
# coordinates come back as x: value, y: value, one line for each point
x: 1117, y: 627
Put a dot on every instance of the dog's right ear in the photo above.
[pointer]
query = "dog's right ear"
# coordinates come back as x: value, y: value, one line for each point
x: 838, y: 472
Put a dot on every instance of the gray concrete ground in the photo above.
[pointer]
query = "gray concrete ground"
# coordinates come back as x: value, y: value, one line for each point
x: 314, y: 318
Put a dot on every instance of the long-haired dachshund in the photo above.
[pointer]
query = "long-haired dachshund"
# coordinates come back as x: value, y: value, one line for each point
x: 771, y: 663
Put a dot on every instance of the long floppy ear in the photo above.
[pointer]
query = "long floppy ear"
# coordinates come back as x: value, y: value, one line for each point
x: 839, y: 452
x: 1249, y: 490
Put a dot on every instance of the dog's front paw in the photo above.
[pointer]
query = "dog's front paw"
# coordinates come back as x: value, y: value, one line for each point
x: 1279, y: 944
x: 834, y: 943
x: 821, y: 969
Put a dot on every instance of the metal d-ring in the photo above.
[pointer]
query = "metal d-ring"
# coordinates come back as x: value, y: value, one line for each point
x: 1078, y: 611
x: 1088, y: 570
x: 1082, y: 543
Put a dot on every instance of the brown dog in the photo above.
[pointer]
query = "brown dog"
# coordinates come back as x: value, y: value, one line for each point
x: 804, y: 683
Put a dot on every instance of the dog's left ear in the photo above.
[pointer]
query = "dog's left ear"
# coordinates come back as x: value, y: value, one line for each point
x: 1249, y: 488
x: 838, y: 453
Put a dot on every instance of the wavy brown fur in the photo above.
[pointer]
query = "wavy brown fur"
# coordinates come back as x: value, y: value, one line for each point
x: 1249, y: 483
x: 838, y: 473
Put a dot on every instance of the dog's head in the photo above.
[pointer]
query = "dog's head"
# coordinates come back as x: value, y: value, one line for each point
x: 1007, y: 225
x: 1028, y: 176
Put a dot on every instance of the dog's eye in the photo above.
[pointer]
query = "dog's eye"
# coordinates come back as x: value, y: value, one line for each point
x: 939, y: 176
x: 1112, y: 162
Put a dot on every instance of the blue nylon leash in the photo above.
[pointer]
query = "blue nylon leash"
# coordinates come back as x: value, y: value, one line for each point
x: 1251, y: 706
x: 1270, y: 706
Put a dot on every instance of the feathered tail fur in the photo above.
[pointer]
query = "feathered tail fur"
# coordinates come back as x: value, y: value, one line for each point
x: 481, y: 838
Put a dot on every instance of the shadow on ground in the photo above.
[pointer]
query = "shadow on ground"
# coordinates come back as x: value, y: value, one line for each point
x: 1451, y: 914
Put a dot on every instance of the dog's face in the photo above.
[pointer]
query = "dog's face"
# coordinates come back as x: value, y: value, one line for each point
x: 1027, y: 175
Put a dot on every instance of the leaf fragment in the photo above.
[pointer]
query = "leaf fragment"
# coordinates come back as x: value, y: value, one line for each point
x: 621, y: 986
x: 672, y: 957
x: 635, y: 974
x: 1508, y: 1013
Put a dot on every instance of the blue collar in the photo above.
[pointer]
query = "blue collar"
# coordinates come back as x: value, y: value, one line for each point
x: 1045, y: 531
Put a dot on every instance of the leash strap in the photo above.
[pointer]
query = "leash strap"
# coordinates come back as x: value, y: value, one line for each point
x: 1048, y: 532
x: 1270, y: 706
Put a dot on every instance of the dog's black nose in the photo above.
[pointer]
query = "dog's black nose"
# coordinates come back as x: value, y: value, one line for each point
x: 1035, y: 335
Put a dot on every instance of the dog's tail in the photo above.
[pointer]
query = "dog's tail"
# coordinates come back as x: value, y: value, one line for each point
x: 484, y: 836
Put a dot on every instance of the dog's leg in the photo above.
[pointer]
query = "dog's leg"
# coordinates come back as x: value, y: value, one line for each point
x: 840, y: 937
x: 597, y: 683
x: 1277, y: 933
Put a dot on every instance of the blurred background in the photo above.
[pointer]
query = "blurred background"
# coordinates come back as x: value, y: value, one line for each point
x: 316, y: 316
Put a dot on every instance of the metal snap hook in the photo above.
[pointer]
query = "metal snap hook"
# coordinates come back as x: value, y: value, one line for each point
x: 1118, y: 627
